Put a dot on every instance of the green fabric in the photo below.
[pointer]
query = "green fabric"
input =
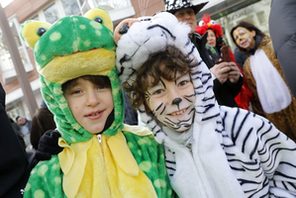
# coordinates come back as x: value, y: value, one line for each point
x: 150, y: 157
x: 46, y: 177
x: 70, y: 35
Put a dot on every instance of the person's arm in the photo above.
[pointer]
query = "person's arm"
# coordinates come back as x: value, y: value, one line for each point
x: 278, y: 159
x: 267, y: 151
x: 235, y: 87
x: 13, y: 161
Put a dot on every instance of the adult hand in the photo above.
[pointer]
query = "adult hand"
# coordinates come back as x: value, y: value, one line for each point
x: 234, y: 73
x: 221, y: 70
x: 123, y: 27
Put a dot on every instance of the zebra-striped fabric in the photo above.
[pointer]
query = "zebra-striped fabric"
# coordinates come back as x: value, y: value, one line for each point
x: 233, y: 153
x: 262, y: 158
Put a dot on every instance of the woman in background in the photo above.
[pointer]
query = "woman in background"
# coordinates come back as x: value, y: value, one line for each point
x: 264, y: 76
x: 229, y: 93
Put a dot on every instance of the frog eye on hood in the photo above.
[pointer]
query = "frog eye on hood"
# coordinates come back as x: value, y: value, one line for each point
x: 41, y: 31
x: 31, y: 31
x: 99, y: 19
x: 100, y: 16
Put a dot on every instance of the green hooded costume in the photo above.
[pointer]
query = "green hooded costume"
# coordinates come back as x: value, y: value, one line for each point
x: 125, y: 161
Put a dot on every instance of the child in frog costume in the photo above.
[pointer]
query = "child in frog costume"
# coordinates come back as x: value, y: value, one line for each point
x: 105, y: 158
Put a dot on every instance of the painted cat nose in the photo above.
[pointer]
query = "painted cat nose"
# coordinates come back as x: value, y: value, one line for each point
x: 176, y: 101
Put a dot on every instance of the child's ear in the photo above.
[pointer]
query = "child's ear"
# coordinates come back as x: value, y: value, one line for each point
x: 31, y: 31
x: 100, y: 16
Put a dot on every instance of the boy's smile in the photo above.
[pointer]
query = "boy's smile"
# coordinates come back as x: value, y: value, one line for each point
x: 90, y: 104
x: 94, y: 115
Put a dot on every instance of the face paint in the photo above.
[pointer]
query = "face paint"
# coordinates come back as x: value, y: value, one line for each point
x: 244, y: 38
x: 172, y: 102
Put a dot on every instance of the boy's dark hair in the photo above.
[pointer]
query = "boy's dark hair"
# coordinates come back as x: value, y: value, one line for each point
x: 100, y: 81
x: 164, y: 64
x: 250, y: 27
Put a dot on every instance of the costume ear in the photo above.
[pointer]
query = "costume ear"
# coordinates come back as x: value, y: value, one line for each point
x: 31, y: 31
x: 100, y: 16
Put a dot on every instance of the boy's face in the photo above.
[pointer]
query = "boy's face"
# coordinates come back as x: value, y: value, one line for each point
x: 172, y: 102
x: 90, y: 104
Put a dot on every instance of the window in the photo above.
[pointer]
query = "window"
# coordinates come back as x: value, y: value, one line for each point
x: 118, y: 9
x: 51, y: 14
x: 6, y: 63
x: 112, y: 4
x: 71, y: 7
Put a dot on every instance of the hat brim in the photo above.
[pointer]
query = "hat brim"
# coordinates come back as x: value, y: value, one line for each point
x: 196, y: 8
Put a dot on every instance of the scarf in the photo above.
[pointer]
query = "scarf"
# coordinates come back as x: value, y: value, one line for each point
x: 273, y: 93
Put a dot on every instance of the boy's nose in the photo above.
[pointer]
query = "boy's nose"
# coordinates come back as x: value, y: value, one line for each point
x: 176, y: 101
x: 173, y: 97
x: 92, y: 98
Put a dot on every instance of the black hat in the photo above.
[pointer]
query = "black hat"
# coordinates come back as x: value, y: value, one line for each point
x: 174, y: 5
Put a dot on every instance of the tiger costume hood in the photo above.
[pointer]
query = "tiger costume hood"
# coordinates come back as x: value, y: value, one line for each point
x: 222, y: 160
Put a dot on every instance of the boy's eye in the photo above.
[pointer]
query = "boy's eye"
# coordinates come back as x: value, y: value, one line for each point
x: 76, y: 92
x: 102, y: 89
x: 183, y: 83
x: 157, y: 92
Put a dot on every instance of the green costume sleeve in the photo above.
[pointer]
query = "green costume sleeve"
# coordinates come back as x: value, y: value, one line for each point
x: 45, y: 180
x: 150, y: 157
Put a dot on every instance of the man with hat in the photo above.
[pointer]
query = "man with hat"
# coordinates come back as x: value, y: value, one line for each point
x: 185, y: 10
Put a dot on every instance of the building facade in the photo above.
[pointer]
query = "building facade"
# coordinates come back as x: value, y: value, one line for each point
x: 227, y: 12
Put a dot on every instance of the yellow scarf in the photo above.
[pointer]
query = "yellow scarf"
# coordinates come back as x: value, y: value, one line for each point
x: 105, y: 169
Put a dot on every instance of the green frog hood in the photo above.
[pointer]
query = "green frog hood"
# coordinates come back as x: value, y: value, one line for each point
x: 74, y: 46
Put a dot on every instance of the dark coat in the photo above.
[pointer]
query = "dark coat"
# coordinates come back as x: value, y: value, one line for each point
x: 42, y: 121
x: 226, y: 92
x: 282, y: 28
x: 13, y: 161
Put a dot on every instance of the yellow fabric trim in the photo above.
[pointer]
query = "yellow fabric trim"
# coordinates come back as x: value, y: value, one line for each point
x: 92, y: 62
x: 102, y: 170
x: 97, y: 12
x: 137, y: 130
x: 29, y: 31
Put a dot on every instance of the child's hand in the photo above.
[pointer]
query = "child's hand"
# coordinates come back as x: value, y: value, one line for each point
x: 48, y: 145
x: 221, y: 71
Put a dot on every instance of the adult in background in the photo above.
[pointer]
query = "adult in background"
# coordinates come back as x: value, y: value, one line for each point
x: 13, y: 161
x: 263, y: 74
x: 282, y: 28
x: 42, y: 121
x: 227, y: 89
x: 25, y: 128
